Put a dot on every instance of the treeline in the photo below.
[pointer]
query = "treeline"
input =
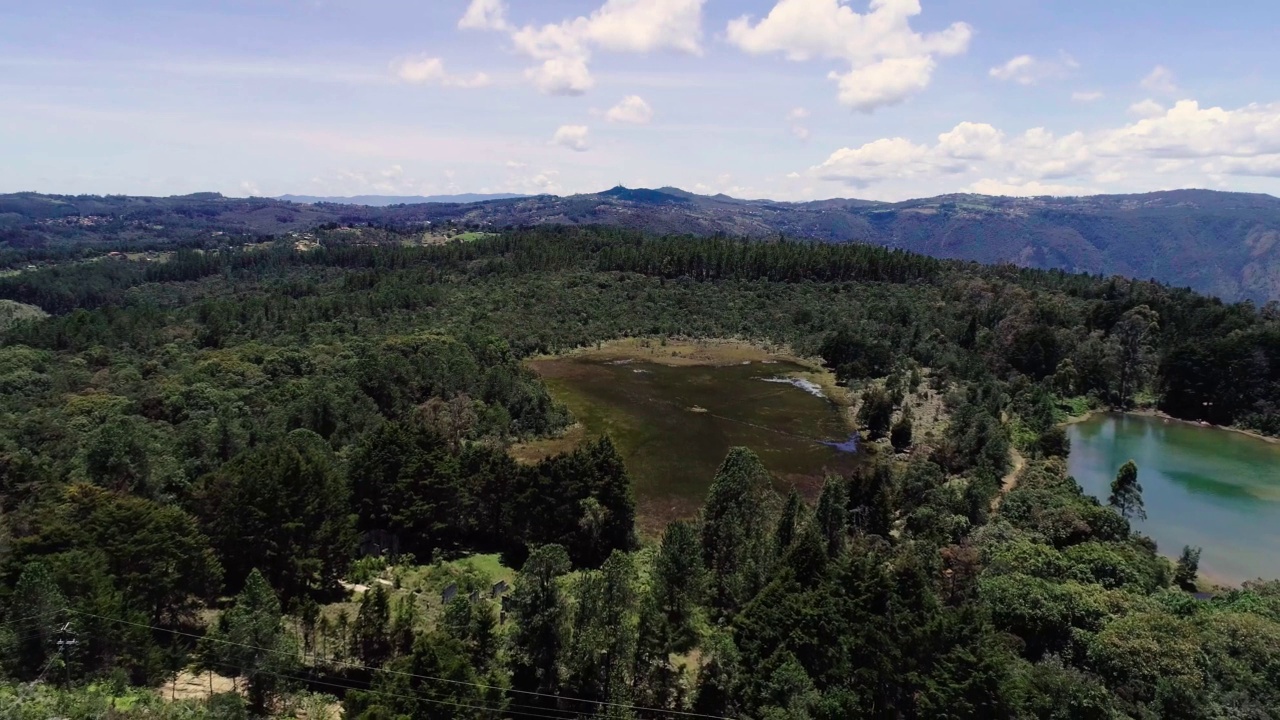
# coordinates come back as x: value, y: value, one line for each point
x: 254, y: 422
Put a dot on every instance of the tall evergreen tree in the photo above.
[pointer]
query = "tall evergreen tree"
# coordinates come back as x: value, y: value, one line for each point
x: 1126, y: 493
x: 833, y: 514
x: 677, y: 583
x: 788, y: 522
x: 539, y: 612
x: 249, y: 640
x: 371, y: 635
x: 283, y: 506
x: 36, y: 612
x: 735, y: 551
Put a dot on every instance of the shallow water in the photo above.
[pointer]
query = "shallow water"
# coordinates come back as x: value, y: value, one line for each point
x: 1207, y: 487
x: 674, y: 425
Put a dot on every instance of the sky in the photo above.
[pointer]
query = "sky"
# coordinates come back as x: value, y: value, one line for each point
x: 782, y: 99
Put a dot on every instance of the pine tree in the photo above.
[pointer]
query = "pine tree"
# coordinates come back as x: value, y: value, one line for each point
x: 734, y: 550
x: 37, y: 611
x: 677, y: 584
x: 1126, y: 493
x: 785, y: 534
x: 371, y: 638
x: 539, y: 612
x: 1188, y: 568
x: 249, y: 639
x: 833, y: 515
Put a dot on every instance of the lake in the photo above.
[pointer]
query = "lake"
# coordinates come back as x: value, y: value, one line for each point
x: 674, y: 425
x: 1205, y: 487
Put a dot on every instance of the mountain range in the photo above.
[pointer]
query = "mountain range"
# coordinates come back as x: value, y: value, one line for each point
x: 385, y: 200
x: 1223, y: 244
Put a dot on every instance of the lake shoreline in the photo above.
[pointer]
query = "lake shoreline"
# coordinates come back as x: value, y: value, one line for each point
x: 1205, y: 489
x: 1152, y: 413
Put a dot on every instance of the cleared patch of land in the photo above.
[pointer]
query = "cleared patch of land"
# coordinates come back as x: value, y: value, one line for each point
x: 13, y: 312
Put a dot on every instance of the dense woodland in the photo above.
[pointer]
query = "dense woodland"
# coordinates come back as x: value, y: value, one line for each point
x: 194, y: 453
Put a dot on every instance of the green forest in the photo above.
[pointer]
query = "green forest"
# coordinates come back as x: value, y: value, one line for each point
x: 266, y: 467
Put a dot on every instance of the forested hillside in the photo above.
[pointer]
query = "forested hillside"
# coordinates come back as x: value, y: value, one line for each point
x: 1222, y: 244
x: 272, y: 463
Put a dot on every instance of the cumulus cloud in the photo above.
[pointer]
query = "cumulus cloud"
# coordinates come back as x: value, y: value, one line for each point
x: 424, y: 70
x: 1185, y: 137
x: 798, y: 114
x: 1086, y: 96
x: 970, y: 141
x: 485, y: 15
x: 564, y: 50
x: 633, y: 110
x: 888, y: 61
x: 573, y: 137
x: 1160, y: 81
x: 1030, y: 70
x: 1146, y: 108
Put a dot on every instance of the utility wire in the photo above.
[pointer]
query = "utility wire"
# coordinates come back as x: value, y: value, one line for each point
x: 624, y: 706
x: 316, y: 681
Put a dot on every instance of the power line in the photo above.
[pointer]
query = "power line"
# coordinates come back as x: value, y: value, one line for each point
x: 316, y: 681
x: 623, y: 706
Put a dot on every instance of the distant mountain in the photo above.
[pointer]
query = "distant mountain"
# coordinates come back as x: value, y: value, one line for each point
x: 386, y: 200
x: 1224, y: 244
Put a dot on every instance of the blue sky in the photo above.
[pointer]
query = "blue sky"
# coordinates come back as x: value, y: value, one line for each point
x: 790, y: 99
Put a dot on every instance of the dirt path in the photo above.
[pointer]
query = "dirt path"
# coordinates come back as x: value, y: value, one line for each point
x: 189, y: 685
x: 1010, y: 480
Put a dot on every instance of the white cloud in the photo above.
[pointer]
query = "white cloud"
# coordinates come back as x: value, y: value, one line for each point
x: 633, y: 109
x: 564, y: 49
x: 566, y: 75
x: 970, y: 141
x: 250, y: 188
x: 1181, y: 141
x: 1029, y: 70
x: 1086, y: 96
x: 423, y: 70
x: 798, y: 114
x: 573, y: 137
x: 1160, y: 81
x: 876, y: 161
x: 888, y: 61
x: 887, y: 82
x: 515, y: 165
x: 1260, y: 166
x: 1146, y: 108
x: 485, y: 15
x: 1014, y: 187
x: 1187, y: 130
x: 800, y: 132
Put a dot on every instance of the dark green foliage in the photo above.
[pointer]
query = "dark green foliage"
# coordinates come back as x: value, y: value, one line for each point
x: 734, y: 550
x: 36, y: 611
x: 249, y: 640
x: 677, y: 586
x: 876, y: 412
x: 292, y: 400
x: 283, y: 507
x: 540, y: 612
x: 1188, y: 568
x: 832, y: 516
x: 900, y: 436
x: 371, y: 634
x: 1126, y: 493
